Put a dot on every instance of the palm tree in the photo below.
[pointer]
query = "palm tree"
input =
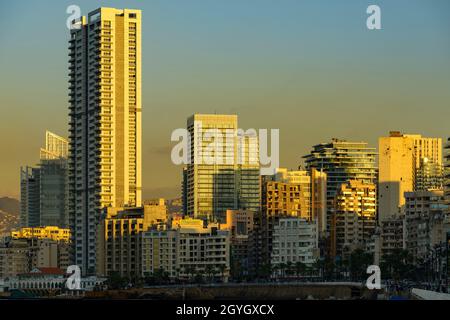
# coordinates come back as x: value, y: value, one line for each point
x: 209, y: 270
x: 282, y: 267
x: 222, y: 268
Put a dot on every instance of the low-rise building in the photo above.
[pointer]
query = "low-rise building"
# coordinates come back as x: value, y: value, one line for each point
x: 14, y: 257
x: 45, y: 232
x: 51, y: 282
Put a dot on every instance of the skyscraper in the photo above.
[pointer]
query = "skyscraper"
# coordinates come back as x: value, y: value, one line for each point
x: 224, y: 169
x: 44, y: 187
x: 105, y: 122
x: 400, y: 163
x: 342, y: 161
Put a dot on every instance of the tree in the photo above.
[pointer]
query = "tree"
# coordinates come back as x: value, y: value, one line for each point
x: 116, y: 281
x: 300, y: 268
x: 222, y: 269
x: 358, y: 263
x: 398, y: 264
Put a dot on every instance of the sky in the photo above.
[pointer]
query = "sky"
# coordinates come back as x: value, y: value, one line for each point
x: 310, y: 68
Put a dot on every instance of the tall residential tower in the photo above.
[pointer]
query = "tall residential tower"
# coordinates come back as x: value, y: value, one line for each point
x: 105, y: 122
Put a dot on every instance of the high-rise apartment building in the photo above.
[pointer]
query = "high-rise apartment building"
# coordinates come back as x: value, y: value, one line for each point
x: 224, y: 167
x: 354, y: 217
x: 342, y: 161
x: 105, y: 122
x: 44, y: 187
x: 400, y: 161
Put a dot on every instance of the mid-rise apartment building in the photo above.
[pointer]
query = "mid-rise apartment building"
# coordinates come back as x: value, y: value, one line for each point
x: 295, y: 240
x: 186, y: 249
x: 424, y: 220
x: 354, y: 218
x: 120, y: 238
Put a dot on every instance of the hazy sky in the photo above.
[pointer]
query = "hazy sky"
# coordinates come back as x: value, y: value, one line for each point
x: 310, y: 68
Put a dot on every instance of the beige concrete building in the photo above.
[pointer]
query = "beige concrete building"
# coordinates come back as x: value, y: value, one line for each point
x: 424, y: 222
x: 47, y: 253
x: 241, y: 227
x: 392, y: 235
x: 105, y: 122
x: 120, y: 238
x: 400, y: 157
x: 290, y: 193
x: 354, y: 218
x: 20, y: 255
x: 14, y: 258
x: 187, y: 249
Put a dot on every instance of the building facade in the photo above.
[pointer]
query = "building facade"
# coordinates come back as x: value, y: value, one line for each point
x: 47, y: 232
x: 241, y: 227
x: 354, y: 219
x: 119, y: 246
x: 342, y: 161
x: 105, y: 122
x: 295, y: 240
x: 224, y: 167
x: 424, y: 219
x: 401, y: 161
x: 43, y: 189
x: 187, y: 249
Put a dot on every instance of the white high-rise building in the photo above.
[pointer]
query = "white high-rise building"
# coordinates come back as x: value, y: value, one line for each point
x: 105, y: 122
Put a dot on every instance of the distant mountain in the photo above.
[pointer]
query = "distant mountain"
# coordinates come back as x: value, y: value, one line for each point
x: 10, y: 205
x: 9, y: 215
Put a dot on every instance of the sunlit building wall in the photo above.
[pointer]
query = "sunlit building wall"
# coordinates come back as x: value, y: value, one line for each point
x: 232, y: 180
x: 105, y: 122
x: 342, y: 161
x: 354, y: 218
